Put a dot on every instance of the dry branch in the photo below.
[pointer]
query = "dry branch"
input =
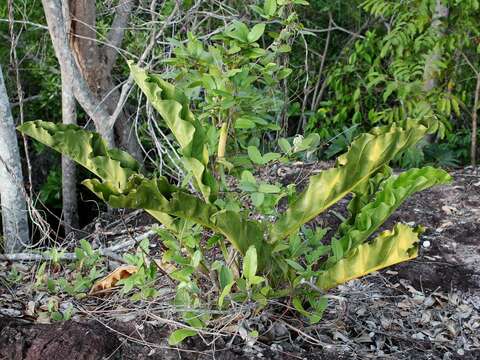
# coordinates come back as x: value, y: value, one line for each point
x: 109, y: 251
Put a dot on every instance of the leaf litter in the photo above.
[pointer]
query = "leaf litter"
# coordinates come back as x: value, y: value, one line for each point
x: 428, y: 308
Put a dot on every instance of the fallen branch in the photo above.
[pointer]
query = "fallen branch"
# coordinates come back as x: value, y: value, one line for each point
x: 109, y: 251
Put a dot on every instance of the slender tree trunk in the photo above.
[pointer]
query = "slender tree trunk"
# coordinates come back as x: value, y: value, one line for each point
x: 96, y: 62
x: 69, y: 170
x: 12, y: 198
x: 473, y: 149
x: 89, y: 102
x: 430, y: 73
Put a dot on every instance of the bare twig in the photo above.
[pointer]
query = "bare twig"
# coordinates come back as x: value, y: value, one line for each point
x: 72, y: 256
x: 117, y: 31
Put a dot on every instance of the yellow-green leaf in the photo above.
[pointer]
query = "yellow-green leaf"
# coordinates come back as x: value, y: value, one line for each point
x: 367, y: 154
x: 389, y: 248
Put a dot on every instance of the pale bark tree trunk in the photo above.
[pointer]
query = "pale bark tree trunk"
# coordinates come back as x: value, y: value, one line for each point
x: 430, y: 74
x: 431, y: 71
x: 69, y: 170
x: 12, y: 196
x: 89, y: 102
x: 473, y: 149
x: 96, y: 62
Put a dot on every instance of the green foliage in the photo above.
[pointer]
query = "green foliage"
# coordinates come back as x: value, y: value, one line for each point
x: 264, y: 196
x: 144, y: 278
x: 451, y: 153
x: 87, y: 268
x: 300, y: 147
x: 363, y: 160
x: 391, y: 194
x: 383, y: 78
x: 232, y: 79
x: 51, y: 190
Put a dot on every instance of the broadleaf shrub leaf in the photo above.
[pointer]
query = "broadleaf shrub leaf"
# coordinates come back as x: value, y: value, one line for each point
x: 179, y: 335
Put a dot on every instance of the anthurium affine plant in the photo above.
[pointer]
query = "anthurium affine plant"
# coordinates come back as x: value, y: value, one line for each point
x: 262, y: 256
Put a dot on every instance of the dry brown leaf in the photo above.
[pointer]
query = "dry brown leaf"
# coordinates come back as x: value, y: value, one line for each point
x: 111, y: 279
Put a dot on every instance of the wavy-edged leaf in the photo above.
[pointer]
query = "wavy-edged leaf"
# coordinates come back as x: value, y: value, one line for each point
x: 88, y: 149
x: 367, y: 154
x: 389, y: 248
x: 365, y: 192
x: 393, y: 192
x: 156, y: 195
x: 172, y: 105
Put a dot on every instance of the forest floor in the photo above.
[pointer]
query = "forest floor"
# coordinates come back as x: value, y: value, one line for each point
x: 427, y: 308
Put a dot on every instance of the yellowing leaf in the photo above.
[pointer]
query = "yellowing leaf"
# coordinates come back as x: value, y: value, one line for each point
x: 111, y: 279
x: 173, y: 106
x: 388, y: 248
x: 89, y: 150
x: 366, y: 155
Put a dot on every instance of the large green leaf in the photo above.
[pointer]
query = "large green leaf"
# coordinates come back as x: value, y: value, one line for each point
x: 156, y: 195
x: 389, y: 248
x: 172, y: 105
x: 367, y: 154
x: 88, y: 149
x: 364, y: 193
x: 393, y: 192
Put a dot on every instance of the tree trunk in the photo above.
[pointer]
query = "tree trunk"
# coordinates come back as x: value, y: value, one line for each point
x: 69, y: 170
x: 12, y: 196
x: 96, y: 62
x: 89, y: 102
x: 473, y: 149
x: 430, y: 73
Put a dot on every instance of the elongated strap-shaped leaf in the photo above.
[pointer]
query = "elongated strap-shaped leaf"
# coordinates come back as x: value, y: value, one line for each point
x: 89, y: 150
x: 393, y: 193
x: 86, y: 148
x: 172, y: 105
x: 389, y: 248
x: 157, y: 195
x: 367, y: 154
x: 364, y: 192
